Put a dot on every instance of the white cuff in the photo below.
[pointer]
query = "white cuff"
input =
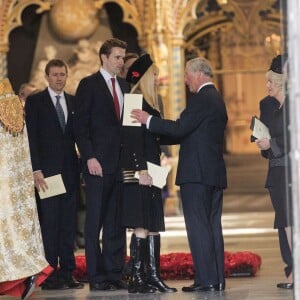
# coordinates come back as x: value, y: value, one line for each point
x: 148, y: 122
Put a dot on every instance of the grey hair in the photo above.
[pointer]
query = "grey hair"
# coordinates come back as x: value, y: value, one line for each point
x: 200, y: 64
x: 277, y: 78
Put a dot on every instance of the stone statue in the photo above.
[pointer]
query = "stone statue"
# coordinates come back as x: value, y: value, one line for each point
x: 86, y: 62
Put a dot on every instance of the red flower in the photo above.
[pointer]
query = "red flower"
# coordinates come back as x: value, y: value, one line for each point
x: 135, y: 74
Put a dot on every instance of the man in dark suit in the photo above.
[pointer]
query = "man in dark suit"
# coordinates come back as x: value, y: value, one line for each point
x: 99, y: 105
x: 49, y: 118
x: 201, y: 172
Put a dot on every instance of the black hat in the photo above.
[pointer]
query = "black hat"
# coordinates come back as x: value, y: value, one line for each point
x: 139, y: 68
x: 277, y: 63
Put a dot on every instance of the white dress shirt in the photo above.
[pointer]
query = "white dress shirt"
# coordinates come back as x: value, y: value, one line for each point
x: 62, y: 101
x: 108, y: 78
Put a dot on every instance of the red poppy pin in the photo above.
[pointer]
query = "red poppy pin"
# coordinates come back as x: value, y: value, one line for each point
x: 135, y: 74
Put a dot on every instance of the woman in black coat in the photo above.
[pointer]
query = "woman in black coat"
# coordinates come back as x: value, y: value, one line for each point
x: 275, y: 149
x: 142, y: 202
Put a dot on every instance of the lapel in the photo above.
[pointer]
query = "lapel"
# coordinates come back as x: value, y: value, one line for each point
x: 51, y: 108
x: 70, y: 110
x: 104, y: 88
x: 49, y: 104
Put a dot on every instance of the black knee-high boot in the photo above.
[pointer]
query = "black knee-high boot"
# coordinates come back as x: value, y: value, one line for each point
x: 128, y: 266
x: 137, y: 283
x: 153, y: 265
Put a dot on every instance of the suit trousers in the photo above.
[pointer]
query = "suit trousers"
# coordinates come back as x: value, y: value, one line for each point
x: 58, y: 226
x: 103, y: 212
x: 202, y: 209
x: 285, y: 251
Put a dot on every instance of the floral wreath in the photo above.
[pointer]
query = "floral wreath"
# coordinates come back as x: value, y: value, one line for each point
x: 180, y: 266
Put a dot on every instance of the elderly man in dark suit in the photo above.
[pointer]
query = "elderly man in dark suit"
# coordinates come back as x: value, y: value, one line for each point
x: 49, y: 118
x: 201, y: 172
x: 99, y: 103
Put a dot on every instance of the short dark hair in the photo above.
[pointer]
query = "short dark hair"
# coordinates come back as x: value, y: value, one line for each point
x: 109, y: 44
x: 55, y: 63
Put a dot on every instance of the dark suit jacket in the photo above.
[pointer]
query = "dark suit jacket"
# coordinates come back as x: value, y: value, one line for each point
x: 97, y: 129
x: 52, y: 151
x: 200, y: 129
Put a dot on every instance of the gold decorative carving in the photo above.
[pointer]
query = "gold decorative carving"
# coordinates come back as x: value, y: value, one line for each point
x: 11, y: 109
x: 11, y: 14
x: 133, y: 11
x: 72, y: 20
x: 251, y: 26
x: 245, y: 23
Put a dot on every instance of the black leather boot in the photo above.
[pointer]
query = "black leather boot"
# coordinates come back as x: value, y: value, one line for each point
x: 137, y: 282
x: 129, y: 265
x: 153, y: 265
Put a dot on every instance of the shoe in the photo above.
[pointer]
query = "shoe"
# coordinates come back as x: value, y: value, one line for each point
x: 120, y: 284
x: 72, y: 283
x: 54, y: 286
x: 222, y: 286
x: 199, y: 288
x: 285, y: 285
x: 29, y: 287
x: 102, y: 286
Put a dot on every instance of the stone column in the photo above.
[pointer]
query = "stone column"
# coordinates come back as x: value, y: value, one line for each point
x: 175, y: 104
x: 293, y: 12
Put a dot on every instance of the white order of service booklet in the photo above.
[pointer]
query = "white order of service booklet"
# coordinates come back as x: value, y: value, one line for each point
x: 259, y: 129
x: 55, y: 187
x: 131, y: 101
x: 158, y: 173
